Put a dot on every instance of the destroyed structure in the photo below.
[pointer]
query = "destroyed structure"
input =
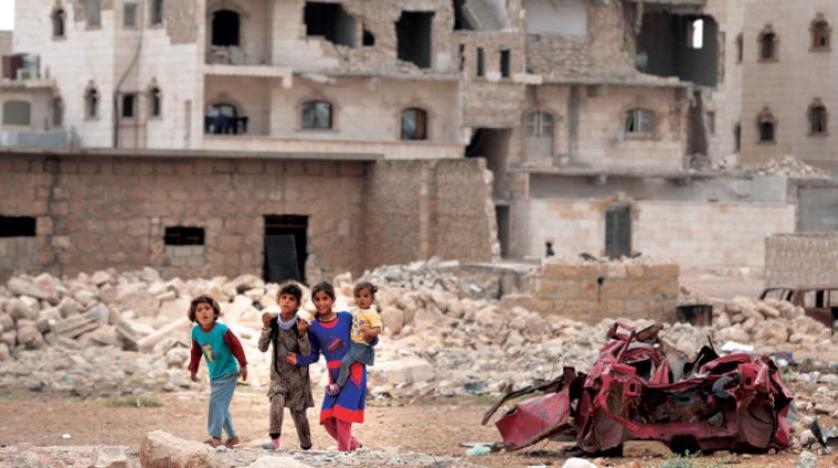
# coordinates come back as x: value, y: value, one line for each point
x: 603, y: 122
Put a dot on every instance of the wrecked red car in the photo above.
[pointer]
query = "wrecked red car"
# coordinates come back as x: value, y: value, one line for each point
x: 638, y: 390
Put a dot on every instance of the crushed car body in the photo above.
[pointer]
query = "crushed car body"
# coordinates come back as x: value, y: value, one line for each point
x: 638, y: 390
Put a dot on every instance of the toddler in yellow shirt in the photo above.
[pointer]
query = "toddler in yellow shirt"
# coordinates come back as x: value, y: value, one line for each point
x: 366, y: 324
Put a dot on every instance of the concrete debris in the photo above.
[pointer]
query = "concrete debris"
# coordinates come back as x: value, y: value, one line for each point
x: 432, y: 274
x: 161, y: 449
x: 790, y: 166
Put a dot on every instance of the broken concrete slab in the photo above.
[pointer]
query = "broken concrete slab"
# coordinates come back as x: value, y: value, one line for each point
x: 147, y: 343
x: 74, y: 327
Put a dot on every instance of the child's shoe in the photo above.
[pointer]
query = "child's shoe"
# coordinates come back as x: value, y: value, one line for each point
x: 232, y: 442
x: 213, y: 442
x: 332, y: 389
x: 272, y: 445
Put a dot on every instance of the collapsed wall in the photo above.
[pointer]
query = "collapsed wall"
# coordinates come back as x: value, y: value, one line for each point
x: 590, y: 291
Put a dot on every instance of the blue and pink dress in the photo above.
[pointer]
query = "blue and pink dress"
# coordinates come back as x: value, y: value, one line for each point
x: 332, y: 340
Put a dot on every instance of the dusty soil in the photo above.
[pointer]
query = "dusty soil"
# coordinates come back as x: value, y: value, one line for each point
x: 432, y: 427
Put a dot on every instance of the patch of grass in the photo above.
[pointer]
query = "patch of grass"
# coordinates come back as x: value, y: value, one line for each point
x: 132, y: 401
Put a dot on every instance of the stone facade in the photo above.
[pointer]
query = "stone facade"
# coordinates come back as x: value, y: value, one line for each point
x: 110, y: 210
x: 803, y: 259
x: 591, y: 291
x: 787, y: 86
x: 697, y: 234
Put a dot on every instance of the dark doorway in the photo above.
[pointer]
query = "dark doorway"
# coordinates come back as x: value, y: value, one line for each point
x: 225, y: 28
x: 285, y: 248
x: 329, y: 20
x: 502, y: 216
x: 413, y: 32
x: 618, y: 231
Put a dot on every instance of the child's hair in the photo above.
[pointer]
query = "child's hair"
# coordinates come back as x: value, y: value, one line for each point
x: 203, y: 299
x: 361, y: 285
x: 291, y: 289
x: 324, y: 286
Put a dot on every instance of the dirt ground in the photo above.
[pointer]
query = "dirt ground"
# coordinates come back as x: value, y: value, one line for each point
x: 437, y: 428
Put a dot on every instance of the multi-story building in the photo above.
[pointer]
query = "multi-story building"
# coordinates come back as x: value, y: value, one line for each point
x: 785, y: 52
x: 585, y: 111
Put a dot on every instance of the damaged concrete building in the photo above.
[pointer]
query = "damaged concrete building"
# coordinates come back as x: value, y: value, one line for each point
x: 599, y: 119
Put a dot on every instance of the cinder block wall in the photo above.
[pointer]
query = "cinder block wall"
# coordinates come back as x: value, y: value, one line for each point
x: 801, y: 259
x: 591, y: 292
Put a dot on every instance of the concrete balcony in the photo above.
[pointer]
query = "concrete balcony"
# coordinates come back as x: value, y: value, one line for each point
x: 389, y: 149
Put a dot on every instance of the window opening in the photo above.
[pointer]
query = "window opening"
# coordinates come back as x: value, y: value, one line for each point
x: 17, y: 113
x: 182, y: 235
x: 58, y: 23
x: 504, y: 63
x: 414, y: 124
x: 640, y: 122
x: 156, y: 11
x: 317, y: 115
x: 129, y: 15
x: 17, y: 226
x: 331, y: 21
x: 413, y: 33
x: 128, y: 104
x: 225, y: 28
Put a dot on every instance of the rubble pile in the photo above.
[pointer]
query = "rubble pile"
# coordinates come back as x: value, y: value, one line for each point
x: 113, y: 334
x: 790, y: 166
x: 109, y: 334
x: 429, y: 274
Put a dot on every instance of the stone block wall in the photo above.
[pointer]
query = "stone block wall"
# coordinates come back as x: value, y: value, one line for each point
x: 419, y: 209
x: 801, y: 259
x: 593, y: 291
x: 99, y: 211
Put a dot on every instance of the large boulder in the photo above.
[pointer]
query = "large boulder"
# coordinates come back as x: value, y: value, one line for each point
x: 163, y: 450
x: 408, y: 370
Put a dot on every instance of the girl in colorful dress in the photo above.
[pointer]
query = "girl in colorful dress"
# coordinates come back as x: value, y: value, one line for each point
x: 329, y: 335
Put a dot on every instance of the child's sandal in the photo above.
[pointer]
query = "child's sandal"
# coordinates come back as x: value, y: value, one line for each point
x: 231, y: 443
x: 213, y: 442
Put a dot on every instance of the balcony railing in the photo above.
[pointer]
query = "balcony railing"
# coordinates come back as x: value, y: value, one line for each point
x: 221, y: 125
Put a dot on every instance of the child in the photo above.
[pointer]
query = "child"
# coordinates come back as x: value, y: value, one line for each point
x: 365, y: 321
x: 290, y: 385
x: 329, y: 335
x: 219, y: 346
